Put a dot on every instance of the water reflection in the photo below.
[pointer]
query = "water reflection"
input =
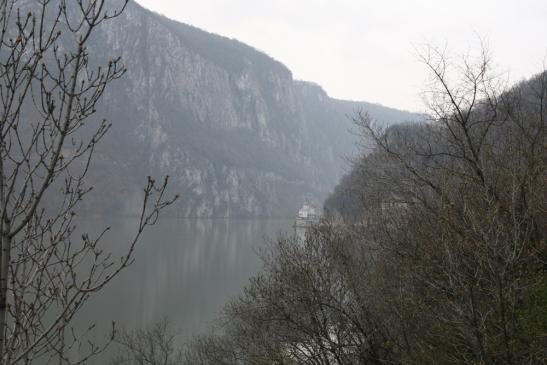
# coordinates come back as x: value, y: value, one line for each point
x: 184, y: 270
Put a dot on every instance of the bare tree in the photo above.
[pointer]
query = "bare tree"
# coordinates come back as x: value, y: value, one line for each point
x: 312, y: 304
x: 156, y: 345
x: 472, y: 248
x: 50, y: 85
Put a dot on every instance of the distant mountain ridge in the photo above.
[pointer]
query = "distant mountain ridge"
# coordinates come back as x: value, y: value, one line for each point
x: 236, y: 133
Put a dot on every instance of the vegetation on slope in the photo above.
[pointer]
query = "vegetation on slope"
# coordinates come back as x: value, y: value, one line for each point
x: 441, y: 260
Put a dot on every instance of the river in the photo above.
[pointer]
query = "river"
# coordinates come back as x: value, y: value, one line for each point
x: 185, y: 270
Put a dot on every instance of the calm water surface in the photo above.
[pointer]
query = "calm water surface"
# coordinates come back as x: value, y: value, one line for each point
x: 184, y: 270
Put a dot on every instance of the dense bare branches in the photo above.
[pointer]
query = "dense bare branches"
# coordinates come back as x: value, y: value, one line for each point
x: 152, y: 346
x: 312, y: 304
x: 473, y: 243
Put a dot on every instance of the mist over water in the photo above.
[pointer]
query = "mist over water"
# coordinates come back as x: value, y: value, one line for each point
x: 185, y: 270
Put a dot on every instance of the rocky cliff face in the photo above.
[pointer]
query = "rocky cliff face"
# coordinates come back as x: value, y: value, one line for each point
x: 238, y: 136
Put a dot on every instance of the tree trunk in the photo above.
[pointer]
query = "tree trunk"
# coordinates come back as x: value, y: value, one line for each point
x: 4, y: 269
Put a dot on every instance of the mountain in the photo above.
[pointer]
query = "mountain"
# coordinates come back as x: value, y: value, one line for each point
x: 237, y: 134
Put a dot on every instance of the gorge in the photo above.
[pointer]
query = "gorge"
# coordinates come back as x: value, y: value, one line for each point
x: 237, y: 134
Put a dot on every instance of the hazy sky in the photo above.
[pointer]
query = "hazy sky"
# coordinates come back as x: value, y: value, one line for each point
x: 365, y: 49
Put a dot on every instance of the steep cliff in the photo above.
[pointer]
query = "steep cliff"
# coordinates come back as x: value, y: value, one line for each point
x: 236, y: 133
